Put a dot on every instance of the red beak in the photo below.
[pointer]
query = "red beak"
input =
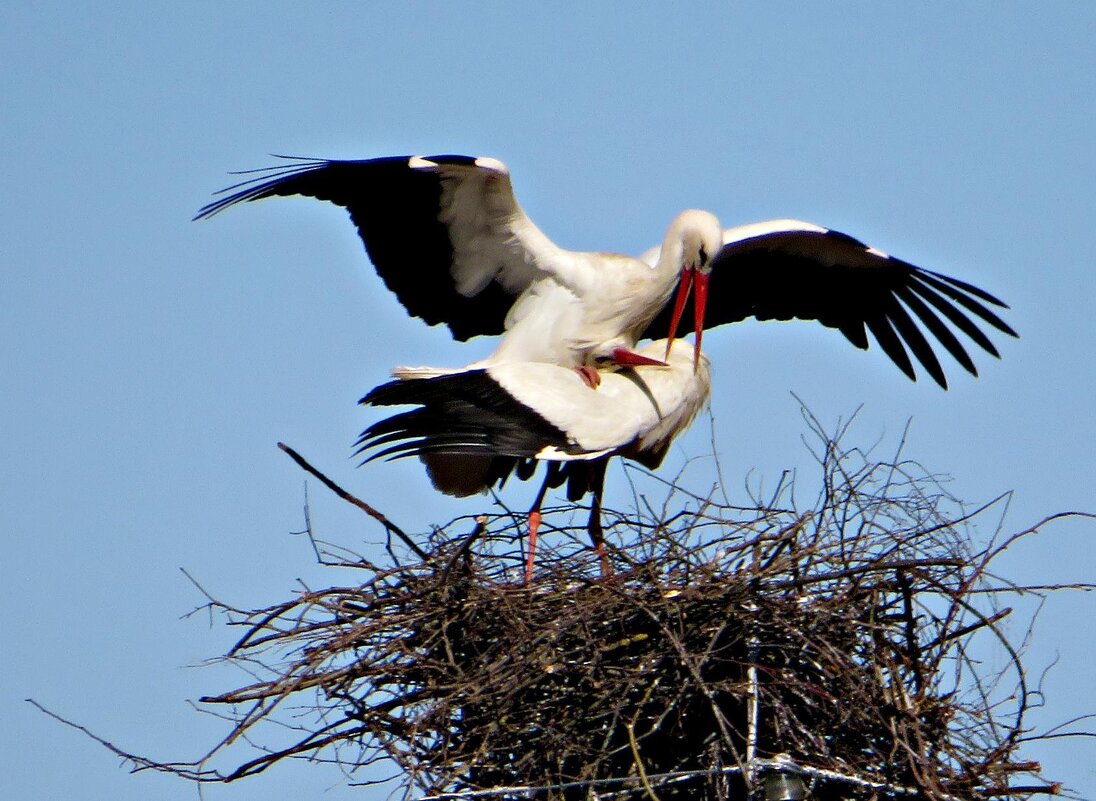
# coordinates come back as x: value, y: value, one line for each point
x: 679, y: 306
x: 629, y: 358
x: 700, y: 303
x: 697, y: 281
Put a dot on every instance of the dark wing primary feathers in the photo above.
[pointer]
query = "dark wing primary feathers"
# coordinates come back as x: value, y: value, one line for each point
x: 469, y: 414
x: 844, y: 284
x: 395, y: 209
x: 466, y: 412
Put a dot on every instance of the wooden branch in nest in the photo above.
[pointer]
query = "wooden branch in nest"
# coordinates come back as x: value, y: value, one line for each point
x: 840, y: 635
x: 346, y: 496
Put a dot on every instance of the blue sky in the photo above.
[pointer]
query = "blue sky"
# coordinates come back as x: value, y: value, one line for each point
x: 151, y: 363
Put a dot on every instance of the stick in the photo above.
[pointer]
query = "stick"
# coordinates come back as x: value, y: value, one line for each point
x: 346, y: 496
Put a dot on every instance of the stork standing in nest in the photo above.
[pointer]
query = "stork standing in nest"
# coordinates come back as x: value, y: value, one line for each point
x: 475, y: 427
x: 448, y: 237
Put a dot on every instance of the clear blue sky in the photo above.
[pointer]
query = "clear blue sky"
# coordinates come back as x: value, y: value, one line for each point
x: 151, y: 363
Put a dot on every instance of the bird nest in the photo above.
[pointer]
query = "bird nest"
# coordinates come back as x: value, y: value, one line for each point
x: 850, y: 638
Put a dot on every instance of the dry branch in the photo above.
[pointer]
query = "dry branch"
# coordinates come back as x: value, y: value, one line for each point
x: 849, y: 636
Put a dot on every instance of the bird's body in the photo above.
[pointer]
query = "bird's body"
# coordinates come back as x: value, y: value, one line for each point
x: 575, y: 322
x: 472, y: 428
x: 485, y: 268
x: 449, y: 238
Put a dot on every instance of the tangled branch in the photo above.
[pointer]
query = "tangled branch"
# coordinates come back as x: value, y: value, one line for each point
x: 849, y: 636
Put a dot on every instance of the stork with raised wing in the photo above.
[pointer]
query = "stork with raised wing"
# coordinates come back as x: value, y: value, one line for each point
x: 475, y: 427
x: 448, y: 237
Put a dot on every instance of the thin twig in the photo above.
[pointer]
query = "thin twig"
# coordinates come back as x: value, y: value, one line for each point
x: 346, y: 496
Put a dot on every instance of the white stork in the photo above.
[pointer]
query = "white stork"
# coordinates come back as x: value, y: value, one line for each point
x: 448, y: 237
x: 473, y: 428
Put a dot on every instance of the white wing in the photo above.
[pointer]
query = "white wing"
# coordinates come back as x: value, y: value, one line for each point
x: 444, y: 232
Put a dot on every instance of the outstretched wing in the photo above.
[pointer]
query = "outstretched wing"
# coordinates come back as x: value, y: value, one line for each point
x: 444, y: 232
x: 787, y: 269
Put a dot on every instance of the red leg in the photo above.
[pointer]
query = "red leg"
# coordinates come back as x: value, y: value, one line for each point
x: 593, y: 527
x: 534, y: 524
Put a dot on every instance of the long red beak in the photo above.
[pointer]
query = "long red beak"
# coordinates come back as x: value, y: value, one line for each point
x: 697, y: 281
x: 700, y: 304
x: 629, y: 358
x: 679, y: 306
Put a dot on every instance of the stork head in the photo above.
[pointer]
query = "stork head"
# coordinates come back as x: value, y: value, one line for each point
x: 697, y: 237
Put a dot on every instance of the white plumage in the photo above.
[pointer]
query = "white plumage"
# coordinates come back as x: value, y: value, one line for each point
x: 542, y: 411
x: 473, y: 427
x: 447, y: 235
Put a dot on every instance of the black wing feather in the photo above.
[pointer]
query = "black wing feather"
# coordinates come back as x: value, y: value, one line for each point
x: 955, y: 290
x: 469, y: 413
x: 462, y: 412
x: 395, y: 209
x: 888, y: 340
x: 929, y: 319
x: 911, y: 335
x: 955, y: 316
x: 842, y: 283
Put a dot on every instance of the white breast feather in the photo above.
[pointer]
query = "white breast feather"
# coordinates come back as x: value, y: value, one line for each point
x: 619, y: 412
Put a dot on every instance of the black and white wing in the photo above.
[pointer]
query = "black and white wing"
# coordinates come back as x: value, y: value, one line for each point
x: 788, y: 269
x: 445, y: 233
x: 541, y: 411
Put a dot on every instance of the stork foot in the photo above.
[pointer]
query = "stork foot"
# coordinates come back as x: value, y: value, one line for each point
x: 597, y: 537
x: 603, y: 560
